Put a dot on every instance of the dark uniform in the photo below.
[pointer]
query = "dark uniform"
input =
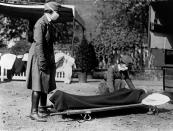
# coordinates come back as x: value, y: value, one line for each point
x: 41, y: 64
x: 115, y: 79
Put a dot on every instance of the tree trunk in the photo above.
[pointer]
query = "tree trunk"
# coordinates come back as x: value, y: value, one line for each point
x: 82, y: 76
x: 90, y: 75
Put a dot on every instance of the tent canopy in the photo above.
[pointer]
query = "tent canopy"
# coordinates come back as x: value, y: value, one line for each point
x: 67, y: 13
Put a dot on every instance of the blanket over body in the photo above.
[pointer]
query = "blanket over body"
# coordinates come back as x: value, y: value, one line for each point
x: 64, y: 101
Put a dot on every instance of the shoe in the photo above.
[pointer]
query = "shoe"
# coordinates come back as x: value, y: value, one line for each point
x: 35, y: 116
x: 53, y: 110
x: 44, y: 112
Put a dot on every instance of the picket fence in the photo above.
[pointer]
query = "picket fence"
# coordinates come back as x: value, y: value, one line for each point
x: 60, y: 75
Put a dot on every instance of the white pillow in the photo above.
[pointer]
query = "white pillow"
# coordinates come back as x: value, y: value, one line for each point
x: 155, y: 99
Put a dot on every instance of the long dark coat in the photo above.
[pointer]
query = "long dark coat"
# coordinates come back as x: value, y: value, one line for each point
x: 41, y: 64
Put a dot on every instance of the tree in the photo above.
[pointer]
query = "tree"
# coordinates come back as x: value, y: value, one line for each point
x: 85, y: 58
x: 122, y: 25
x: 12, y: 28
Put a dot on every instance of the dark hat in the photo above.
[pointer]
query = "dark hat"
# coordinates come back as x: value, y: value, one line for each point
x: 54, y: 6
x: 126, y: 59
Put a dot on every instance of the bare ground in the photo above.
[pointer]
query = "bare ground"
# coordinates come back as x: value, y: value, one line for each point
x: 15, y: 104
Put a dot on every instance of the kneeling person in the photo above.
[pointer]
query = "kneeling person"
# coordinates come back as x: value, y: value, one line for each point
x: 117, y: 76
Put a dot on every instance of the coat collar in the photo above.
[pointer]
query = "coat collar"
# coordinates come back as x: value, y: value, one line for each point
x: 45, y: 19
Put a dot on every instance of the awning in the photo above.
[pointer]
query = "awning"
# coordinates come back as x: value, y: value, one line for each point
x: 163, y: 10
x: 67, y: 13
x: 161, y: 24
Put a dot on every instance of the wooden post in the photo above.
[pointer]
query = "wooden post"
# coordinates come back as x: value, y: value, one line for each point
x: 2, y: 74
x: 74, y: 26
x: 149, y: 20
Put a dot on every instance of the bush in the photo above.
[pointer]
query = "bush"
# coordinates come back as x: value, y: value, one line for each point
x: 20, y: 48
x: 85, y: 57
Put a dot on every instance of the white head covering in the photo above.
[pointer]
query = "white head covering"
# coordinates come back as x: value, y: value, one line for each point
x: 54, y: 6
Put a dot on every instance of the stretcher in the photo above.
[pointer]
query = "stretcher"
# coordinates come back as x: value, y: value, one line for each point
x: 86, y: 113
x: 67, y: 104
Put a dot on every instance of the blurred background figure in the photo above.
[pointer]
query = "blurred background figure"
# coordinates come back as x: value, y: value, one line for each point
x: 69, y: 64
x: 66, y: 63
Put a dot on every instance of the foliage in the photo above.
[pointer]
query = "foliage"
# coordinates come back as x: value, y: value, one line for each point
x: 85, y: 57
x: 20, y: 48
x: 122, y: 26
x: 92, y: 59
x: 12, y: 28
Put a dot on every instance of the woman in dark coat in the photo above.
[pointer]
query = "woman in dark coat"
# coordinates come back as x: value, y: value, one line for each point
x: 41, y: 64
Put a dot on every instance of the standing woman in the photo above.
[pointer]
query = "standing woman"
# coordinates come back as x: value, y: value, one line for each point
x: 41, y: 64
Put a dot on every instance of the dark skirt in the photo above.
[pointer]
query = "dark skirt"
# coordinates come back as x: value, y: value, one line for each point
x: 36, y: 79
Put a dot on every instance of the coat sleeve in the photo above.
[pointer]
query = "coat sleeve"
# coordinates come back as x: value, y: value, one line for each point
x: 128, y: 80
x: 38, y: 38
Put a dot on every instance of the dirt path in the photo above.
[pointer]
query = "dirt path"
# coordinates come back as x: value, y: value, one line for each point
x: 15, y: 108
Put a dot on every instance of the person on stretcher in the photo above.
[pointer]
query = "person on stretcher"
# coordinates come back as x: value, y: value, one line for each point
x: 117, y: 75
x: 112, y: 93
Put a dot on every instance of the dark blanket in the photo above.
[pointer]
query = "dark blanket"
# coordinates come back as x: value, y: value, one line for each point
x: 64, y: 101
x: 19, y: 66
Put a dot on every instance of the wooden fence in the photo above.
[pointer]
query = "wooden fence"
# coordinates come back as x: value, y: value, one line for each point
x: 60, y: 75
